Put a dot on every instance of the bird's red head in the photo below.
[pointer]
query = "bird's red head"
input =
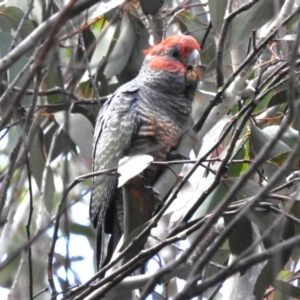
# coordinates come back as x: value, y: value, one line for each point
x: 178, y: 53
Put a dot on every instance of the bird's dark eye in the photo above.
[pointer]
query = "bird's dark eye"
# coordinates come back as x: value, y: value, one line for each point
x: 175, y: 53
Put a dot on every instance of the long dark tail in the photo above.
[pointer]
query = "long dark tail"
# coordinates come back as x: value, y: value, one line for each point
x: 112, y: 229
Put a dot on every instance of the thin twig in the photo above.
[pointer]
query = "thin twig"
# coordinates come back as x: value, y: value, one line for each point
x: 34, y: 100
x: 222, y: 38
x: 46, y: 289
x: 203, y: 260
x: 21, y: 24
x: 70, y: 10
x: 59, y: 90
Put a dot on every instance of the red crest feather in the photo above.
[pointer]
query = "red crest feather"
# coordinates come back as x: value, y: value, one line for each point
x: 185, y: 45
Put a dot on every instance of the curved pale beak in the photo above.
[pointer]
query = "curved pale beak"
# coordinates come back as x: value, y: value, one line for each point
x: 192, y: 62
x: 192, y: 59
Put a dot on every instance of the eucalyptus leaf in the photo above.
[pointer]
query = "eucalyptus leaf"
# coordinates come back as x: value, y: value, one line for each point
x: 282, y: 231
x: 104, y: 42
x: 14, y: 15
x: 5, y: 43
x: 287, y: 289
x: 81, y: 131
x: 151, y: 7
x: 217, y: 11
x: 289, y: 136
x: 259, y: 138
x: 141, y: 42
x: 132, y: 166
x: 122, y: 50
x: 252, y: 19
x: 242, y: 236
x: 36, y: 156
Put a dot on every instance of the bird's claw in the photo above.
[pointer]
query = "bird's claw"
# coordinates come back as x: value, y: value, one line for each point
x: 175, y: 155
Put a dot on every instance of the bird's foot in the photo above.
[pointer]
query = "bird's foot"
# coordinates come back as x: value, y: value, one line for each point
x: 175, y: 155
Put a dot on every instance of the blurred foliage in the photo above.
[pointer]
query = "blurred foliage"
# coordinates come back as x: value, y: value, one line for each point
x: 92, y: 55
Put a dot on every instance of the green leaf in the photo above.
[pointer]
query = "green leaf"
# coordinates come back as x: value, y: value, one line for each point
x: 51, y: 80
x: 81, y: 131
x: 252, y: 19
x: 247, y: 190
x: 212, y: 200
x: 98, y: 26
x: 5, y: 24
x: 5, y: 42
x: 104, y: 43
x: 281, y: 158
x: 84, y: 230
x: 37, y: 167
x: 258, y: 139
x: 151, y: 7
x: 282, y: 231
x: 141, y: 42
x: 13, y: 15
x: 89, y: 45
x: 220, y: 257
x: 85, y: 89
x: 36, y: 156
x: 49, y: 190
x: 269, y: 169
x: 241, y: 238
x: 217, y: 11
x: 235, y: 169
x: 62, y: 140
x: 286, y: 289
x: 278, y: 98
x: 289, y: 136
x: 118, y: 57
x: 36, y: 13
x: 20, y: 4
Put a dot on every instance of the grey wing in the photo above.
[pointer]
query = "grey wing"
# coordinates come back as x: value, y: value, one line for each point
x: 115, y: 127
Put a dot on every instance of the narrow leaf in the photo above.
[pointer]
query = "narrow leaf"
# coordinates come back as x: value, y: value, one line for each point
x: 132, y: 166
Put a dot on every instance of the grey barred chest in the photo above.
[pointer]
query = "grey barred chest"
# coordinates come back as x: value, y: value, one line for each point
x: 156, y: 137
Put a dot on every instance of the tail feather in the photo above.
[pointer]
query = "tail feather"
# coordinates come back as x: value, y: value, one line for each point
x: 100, y: 246
x: 113, y: 226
